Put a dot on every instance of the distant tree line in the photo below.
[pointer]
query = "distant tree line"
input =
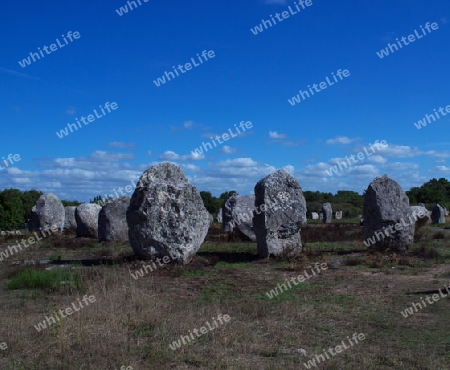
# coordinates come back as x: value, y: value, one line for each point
x: 430, y: 193
x: 16, y: 205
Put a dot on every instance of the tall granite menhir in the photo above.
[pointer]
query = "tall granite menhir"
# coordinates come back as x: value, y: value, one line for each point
x: 327, y: 213
x: 438, y: 214
x: 237, y: 213
x: 280, y: 212
x: 388, y: 218
x: 112, y: 220
x: 70, y: 222
x: 166, y: 217
x: 47, y: 213
x: 86, y: 215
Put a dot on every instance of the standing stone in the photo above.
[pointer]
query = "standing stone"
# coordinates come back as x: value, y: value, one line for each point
x: 47, y: 214
x: 438, y: 215
x: 421, y: 205
x: 166, y: 217
x: 282, y: 212
x: 70, y: 223
x: 327, y: 213
x: 86, y: 215
x: 321, y: 216
x: 421, y: 214
x: 211, y: 219
x: 314, y: 215
x: 388, y: 219
x: 445, y: 212
x: 237, y: 213
x: 112, y: 220
x: 219, y: 215
x: 338, y: 215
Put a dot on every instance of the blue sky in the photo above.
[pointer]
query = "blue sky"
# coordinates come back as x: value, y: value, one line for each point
x: 250, y: 79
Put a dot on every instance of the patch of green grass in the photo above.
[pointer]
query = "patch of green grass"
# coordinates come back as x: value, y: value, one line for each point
x: 232, y: 265
x: 54, y: 256
x: 335, y: 247
x: 196, y: 273
x: 31, y: 278
x: 228, y: 247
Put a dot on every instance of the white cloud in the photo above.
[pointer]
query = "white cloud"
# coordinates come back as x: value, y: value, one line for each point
x: 343, y: 140
x: 170, y: 155
x: 276, y: 135
x: 435, y: 153
x: 118, y: 144
x: 190, y: 167
x: 102, y: 155
x: 401, y: 166
x: 377, y: 159
x: 188, y: 124
x: 440, y: 169
x: 399, y: 151
x: 228, y: 150
x: 289, y: 168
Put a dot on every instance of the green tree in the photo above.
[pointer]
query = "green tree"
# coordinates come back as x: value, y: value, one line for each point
x: 13, y: 211
x: 67, y: 203
x: 29, y: 199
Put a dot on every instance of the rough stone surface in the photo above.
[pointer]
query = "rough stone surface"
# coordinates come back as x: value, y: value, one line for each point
x: 445, y: 212
x: 70, y: 223
x: 421, y: 205
x: 327, y: 213
x: 282, y: 212
x: 86, y: 215
x: 166, y: 217
x: 338, y: 215
x: 314, y: 215
x: 422, y: 215
x: 237, y: 213
x: 438, y: 214
x: 385, y: 205
x: 112, y: 220
x: 219, y: 215
x: 211, y: 219
x: 47, y: 213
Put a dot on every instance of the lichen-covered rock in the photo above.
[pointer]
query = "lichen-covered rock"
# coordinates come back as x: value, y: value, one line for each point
x: 421, y: 214
x: 47, y: 213
x: 280, y: 212
x: 219, y: 215
x: 167, y: 217
x: 70, y: 222
x: 86, y: 215
x: 388, y: 219
x: 327, y: 213
x: 112, y: 220
x: 438, y: 214
x: 237, y: 213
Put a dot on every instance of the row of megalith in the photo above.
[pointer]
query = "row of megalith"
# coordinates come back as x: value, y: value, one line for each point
x: 89, y: 220
x: 165, y: 216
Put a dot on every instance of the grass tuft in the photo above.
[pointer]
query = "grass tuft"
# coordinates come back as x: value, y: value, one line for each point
x: 32, y: 278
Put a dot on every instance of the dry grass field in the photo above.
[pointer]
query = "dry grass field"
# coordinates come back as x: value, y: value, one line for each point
x: 132, y: 322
